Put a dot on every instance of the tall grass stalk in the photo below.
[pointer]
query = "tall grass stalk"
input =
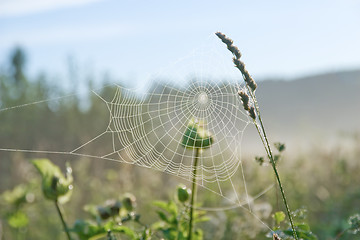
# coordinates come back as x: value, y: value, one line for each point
x: 193, y: 193
x: 254, y: 112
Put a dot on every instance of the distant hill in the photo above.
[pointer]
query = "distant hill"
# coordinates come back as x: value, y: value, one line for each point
x: 314, y: 109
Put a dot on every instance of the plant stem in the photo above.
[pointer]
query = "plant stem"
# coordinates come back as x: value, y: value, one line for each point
x: 62, y: 220
x: 266, y: 143
x: 193, y: 194
x: 283, y: 196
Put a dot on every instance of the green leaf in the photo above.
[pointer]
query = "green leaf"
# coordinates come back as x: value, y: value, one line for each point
x: 163, y: 216
x: 125, y: 230
x: 303, y: 227
x: 173, y: 209
x: 160, y: 225
x: 161, y: 204
x: 198, y: 234
x: 18, y: 220
x: 86, y: 229
x: 202, y: 219
x: 54, y: 184
x: 279, y: 217
x: 170, y: 233
x: 169, y: 207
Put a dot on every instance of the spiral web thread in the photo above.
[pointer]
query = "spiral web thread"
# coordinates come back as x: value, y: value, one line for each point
x: 147, y: 129
x: 149, y: 132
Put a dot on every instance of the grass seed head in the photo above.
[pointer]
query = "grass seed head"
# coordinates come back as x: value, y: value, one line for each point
x: 238, y: 63
x: 245, y: 99
x: 247, y: 77
x: 249, y: 80
x: 229, y: 43
x: 252, y: 113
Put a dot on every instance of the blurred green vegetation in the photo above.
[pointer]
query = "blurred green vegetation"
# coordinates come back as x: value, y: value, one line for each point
x: 325, y: 183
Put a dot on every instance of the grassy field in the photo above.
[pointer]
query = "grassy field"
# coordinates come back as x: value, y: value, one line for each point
x: 321, y: 184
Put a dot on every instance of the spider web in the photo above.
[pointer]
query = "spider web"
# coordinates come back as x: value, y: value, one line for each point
x: 147, y: 129
x: 146, y: 125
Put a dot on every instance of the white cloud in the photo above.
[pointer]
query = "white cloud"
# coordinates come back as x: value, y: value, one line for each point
x: 9, y: 8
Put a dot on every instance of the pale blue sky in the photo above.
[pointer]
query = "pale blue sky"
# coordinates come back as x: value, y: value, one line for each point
x: 136, y: 38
